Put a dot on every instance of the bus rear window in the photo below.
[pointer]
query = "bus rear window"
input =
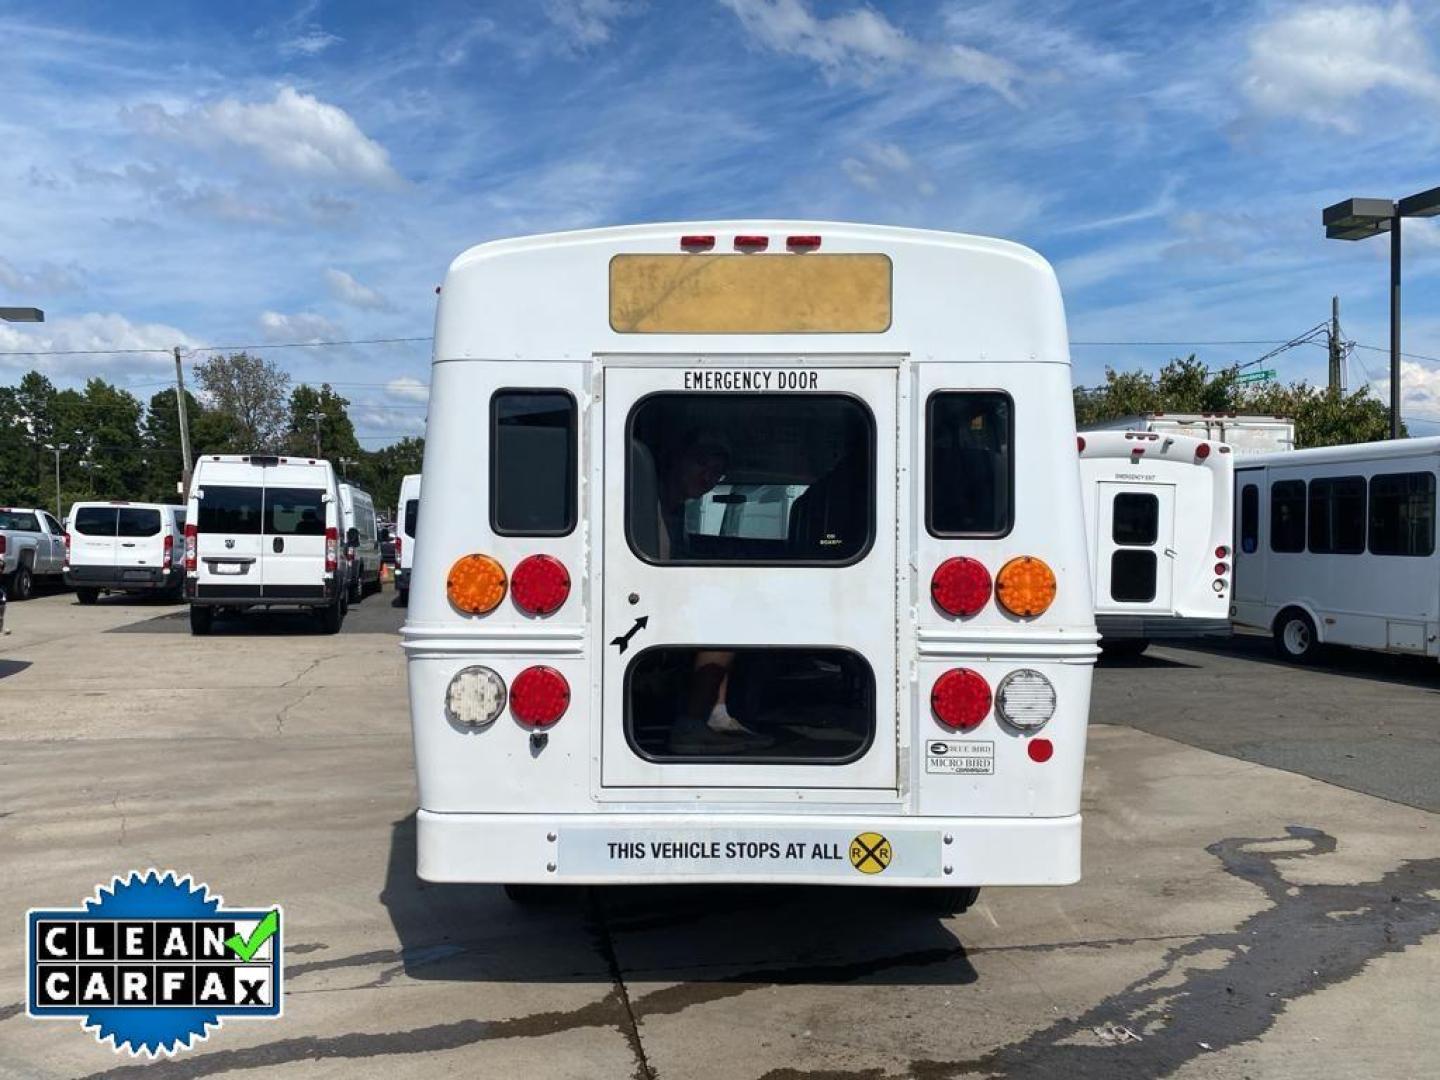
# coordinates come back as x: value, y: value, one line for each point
x: 791, y: 705
x: 532, y: 463
x: 230, y: 510
x: 970, y: 463
x: 759, y: 478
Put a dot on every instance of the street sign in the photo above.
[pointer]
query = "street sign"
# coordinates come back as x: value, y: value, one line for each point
x: 1256, y: 376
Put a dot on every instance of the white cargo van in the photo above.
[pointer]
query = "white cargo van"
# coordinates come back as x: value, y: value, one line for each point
x: 407, y: 513
x: 264, y: 531
x: 124, y: 547
x: 362, y: 541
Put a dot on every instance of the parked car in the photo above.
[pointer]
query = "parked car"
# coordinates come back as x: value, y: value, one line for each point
x: 124, y: 547
x: 32, y: 545
x: 264, y: 531
x: 362, y: 541
x: 408, y: 514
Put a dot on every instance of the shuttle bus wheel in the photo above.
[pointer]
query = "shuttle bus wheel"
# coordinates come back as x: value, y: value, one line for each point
x: 539, y: 896
x: 1295, y: 637
x: 951, y: 900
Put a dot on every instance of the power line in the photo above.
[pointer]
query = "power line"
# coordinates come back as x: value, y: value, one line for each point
x: 191, y: 350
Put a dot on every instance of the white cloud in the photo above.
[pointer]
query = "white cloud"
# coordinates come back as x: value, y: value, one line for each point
x: 1419, y: 384
x: 311, y: 41
x: 347, y: 290
x: 406, y: 388
x: 302, y: 326
x: 46, y: 277
x: 1319, y: 63
x: 863, y: 43
x: 92, y: 333
x: 296, y: 132
x: 388, y: 423
x: 587, y: 22
x: 885, y: 166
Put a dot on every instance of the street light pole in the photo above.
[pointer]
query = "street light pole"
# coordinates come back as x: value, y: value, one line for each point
x: 1395, y: 325
x: 57, y: 447
x: 316, y: 417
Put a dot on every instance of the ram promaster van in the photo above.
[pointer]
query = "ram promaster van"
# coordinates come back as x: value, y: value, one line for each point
x: 407, y: 517
x: 763, y: 560
x: 362, y: 541
x: 124, y: 547
x: 264, y: 531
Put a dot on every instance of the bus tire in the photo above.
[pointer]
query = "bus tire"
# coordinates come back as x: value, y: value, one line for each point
x: 950, y: 900
x: 202, y: 619
x: 87, y: 596
x: 1295, y: 637
x: 22, y: 583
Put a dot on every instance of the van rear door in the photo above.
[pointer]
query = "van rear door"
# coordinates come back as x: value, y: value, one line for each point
x: 750, y: 576
x: 140, y: 539
x: 92, y: 536
x: 228, y: 533
x: 293, y: 544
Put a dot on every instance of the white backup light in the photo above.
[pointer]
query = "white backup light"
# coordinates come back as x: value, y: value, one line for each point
x: 1025, y: 700
x: 475, y: 697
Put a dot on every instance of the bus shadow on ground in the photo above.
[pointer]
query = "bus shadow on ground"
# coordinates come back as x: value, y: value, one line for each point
x: 731, y: 935
x: 1417, y: 671
x: 13, y: 667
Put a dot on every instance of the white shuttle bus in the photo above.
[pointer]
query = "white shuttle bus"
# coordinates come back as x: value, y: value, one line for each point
x: 1158, y: 517
x: 1336, y: 546
x: 755, y: 553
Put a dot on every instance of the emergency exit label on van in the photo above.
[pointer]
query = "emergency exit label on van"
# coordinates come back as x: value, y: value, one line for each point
x: 960, y: 757
x: 601, y: 852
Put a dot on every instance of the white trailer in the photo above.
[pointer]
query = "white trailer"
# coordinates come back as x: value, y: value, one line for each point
x: 753, y: 552
x: 1244, y: 434
x: 1336, y: 545
x: 1158, y: 520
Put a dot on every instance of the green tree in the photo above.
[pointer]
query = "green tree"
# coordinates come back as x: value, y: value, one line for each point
x: 251, y: 391
x: 380, y: 471
x: 320, y: 411
x: 106, y: 443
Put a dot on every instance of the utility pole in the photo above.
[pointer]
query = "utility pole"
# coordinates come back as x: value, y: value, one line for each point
x: 1335, y: 344
x: 56, y: 448
x: 316, y: 417
x: 186, y: 462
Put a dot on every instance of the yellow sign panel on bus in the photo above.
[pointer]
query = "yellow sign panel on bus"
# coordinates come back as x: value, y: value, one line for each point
x: 750, y: 294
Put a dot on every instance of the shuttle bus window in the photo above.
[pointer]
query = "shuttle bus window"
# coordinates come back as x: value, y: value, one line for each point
x: 1402, y: 514
x: 533, y: 466
x: 1337, y: 515
x: 1136, y: 519
x: 813, y: 706
x: 970, y: 463
x: 1249, y: 519
x: 753, y: 478
x: 1287, y: 515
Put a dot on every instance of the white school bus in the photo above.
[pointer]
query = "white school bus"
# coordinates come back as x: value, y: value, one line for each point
x: 1159, y: 513
x: 755, y: 553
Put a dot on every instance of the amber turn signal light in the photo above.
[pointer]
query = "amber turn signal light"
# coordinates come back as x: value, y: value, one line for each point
x: 1025, y: 586
x: 476, y: 584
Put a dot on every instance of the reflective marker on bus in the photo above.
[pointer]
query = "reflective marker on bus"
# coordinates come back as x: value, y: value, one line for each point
x: 755, y: 552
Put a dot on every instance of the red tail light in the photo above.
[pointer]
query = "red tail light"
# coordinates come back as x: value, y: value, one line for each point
x: 540, y: 584
x: 332, y: 549
x: 1202, y: 451
x: 399, y: 545
x: 192, y: 545
x: 960, y: 699
x: 2, y: 543
x: 961, y: 586
x: 539, y: 696
x: 1220, y: 568
x: 166, y: 562
x: 67, y: 550
x: 1221, y: 551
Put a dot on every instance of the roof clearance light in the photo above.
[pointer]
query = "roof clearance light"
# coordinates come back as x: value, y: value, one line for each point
x: 1202, y: 451
x: 1025, y: 700
x: 539, y: 696
x: 697, y: 243
x: 960, y: 699
x: 1025, y: 586
x: 475, y: 697
x: 960, y: 586
x: 476, y: 584
x: 802, y: 243
x: 751, y: 243
x: 540, y: 584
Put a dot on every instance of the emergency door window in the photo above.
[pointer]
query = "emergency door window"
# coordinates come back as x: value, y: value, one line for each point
x: 812, y: 706
x: 969, y: 463
x: 751, y: 478
x: 233, y: 510
x: 1287, y: 515
x: 1132, y: 576
x: 1136, y: 519
x: 533, y: 466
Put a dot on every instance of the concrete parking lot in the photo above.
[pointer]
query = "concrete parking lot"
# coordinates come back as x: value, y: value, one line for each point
x: 1261, y: 893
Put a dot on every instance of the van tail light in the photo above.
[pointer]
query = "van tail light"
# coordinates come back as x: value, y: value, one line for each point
x: 192, y: 547
x: 960, y: 699
x: 399, y: 545
x: 539, y: 696
x: 165, y: 563
x: 332, y: 549
x: 67, y: 550
x: 540, y: 584
x: 2, y: 543
x: 961, y: 586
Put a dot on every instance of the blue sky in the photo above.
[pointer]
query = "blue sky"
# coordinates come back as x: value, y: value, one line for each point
x: 206, y: 174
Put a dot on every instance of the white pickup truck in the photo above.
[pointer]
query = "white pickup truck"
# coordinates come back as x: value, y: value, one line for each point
x: 32, y: 545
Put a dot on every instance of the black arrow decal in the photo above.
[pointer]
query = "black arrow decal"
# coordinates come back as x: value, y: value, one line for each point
x: 623, y: 641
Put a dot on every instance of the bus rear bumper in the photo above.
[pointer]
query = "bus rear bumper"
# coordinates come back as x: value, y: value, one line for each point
x: 870, y: 850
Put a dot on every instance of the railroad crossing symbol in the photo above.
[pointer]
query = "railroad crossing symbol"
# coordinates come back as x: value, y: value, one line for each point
x: 870, y: 853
